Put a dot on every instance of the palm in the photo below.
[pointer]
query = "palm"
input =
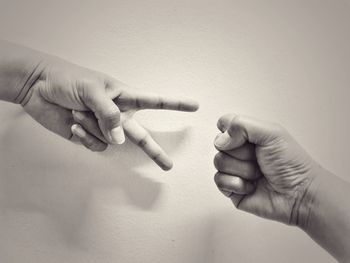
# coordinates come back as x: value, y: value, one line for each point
x: 53, y: 117
x: 58, y: 92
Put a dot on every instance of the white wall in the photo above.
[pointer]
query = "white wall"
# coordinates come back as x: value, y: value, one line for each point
x: 286, y: 61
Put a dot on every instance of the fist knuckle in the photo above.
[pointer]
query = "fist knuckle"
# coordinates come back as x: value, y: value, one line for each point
x: 217, y: 179
x: 237, y: 183
x: 235, y: 125
x: 225, y: 120
x: 235, y: 121
x: 278, y: 129
x: 219, y: 161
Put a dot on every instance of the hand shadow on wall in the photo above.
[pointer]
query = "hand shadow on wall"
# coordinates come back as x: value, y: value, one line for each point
x: 42, y: 183
x: 141, y: 191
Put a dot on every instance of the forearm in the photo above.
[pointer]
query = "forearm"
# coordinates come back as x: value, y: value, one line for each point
x: 327, y: 215
x: 20, y: 67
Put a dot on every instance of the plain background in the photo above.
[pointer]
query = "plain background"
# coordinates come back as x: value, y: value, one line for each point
x: 286, y: 61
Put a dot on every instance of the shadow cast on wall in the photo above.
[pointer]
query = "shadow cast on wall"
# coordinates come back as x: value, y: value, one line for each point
x: 43, y: 174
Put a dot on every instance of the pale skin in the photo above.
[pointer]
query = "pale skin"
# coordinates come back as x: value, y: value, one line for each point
x: 264, y: 171
x: 261, y: 168
x: 81, y: 104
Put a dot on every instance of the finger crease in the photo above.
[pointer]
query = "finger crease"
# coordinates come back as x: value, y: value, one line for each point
x: 239, y: 202
x: 155, y: 157
x: 137, y: 102
x: 161, y: 105
x: 143, y: 142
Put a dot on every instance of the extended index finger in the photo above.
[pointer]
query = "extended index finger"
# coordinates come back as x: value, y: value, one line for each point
x: 139, y: 101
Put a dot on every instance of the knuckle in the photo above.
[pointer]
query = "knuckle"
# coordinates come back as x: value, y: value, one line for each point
x: 113, y: 85
x: 217, y: 179
x: 278, y: 129
x: 235, y: 120
x: 110, y: 120
x: 235, y: 125
x: 225, y: 120
x: 85, y: 88
x: 237, y: 182
x: 111, y: 112
x: 218, y: 161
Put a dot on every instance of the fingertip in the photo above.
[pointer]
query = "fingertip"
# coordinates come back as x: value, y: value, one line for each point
x: 189, y: 105
x: 167, y: 166
x: 101, y: 147
x: 77, y: 130
x: 117, y: 135
x: 165, y: 163
x: 194, y: 105
x: 222, y: 141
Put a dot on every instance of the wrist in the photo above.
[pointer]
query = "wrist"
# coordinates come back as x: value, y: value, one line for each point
x: 20, y: 68
x: 309, y: 202
x: 24, y: 88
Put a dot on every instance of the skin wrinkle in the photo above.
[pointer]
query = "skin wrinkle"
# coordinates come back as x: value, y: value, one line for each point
x: 58, y: 86
x: 239, y: 202
x: 306, y: 223
x: 25, y: 84
x: 137, y: 103
x: 143, y: 141
x: 180, y: 106
x: 27, y: 97
x: 294, y: 219
x: 28, y: 87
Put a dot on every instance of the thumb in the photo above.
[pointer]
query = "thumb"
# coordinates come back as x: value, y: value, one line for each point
x: 242, y: 129
x: 107, y: 113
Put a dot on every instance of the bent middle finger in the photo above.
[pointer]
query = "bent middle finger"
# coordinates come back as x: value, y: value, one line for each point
x: 229, y: 165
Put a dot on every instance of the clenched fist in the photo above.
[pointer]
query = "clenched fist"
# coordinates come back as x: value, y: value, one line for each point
x: 262, y: 169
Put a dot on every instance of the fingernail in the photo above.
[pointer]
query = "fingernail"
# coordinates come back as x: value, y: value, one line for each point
x: 222, y: 140
x: 78, y: 131
x: 117, y: 135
